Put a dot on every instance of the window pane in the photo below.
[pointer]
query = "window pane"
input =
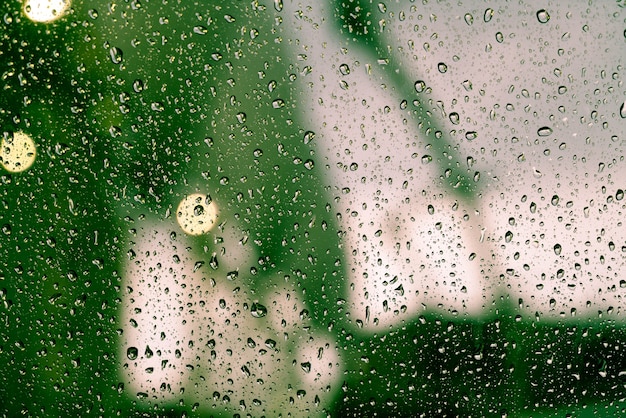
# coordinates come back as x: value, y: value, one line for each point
x: 337, y: 208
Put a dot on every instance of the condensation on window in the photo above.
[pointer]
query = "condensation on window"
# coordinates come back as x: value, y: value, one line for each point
x: 337, y: 208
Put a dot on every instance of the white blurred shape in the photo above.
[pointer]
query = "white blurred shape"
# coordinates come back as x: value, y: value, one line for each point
x: 17, y: 152
x: 189, y: 331
x: 156, y: 323
x: 196, y: 214
x: 45, y: 11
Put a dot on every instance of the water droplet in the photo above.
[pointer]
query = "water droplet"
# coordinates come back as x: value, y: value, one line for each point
x: 454, y: 118
x: 488, y: 15
x: 278, y: 103
x: 399, y: 290
x: 469, y: 19
x: 544, y: 131
x: 431, y: 209
x: 508, y: 237
x: 420, y: 86
x: 543, y: 16
x: 200, y: 30
x: 116, y: 55
x: 257, y: 310
x: 622, y: 110
x: 213, y: 262
x: 344, y: 69
x: 157, y: 106
x: 278, y: 5
x: 619, y: 195
x: 306, y: 366
x: 467, y: 85
x: 499, y: 37
x: 138, y: 86
x: 308, y: 137
x: 132, y: 353
x: 17, y: 152
x: 471, y: 135
x: 442, y: 67
x: 562, y: 90
x: 554, y: 200
x: 196, y: 214
x: 557, y: 249
x: 426, y: 159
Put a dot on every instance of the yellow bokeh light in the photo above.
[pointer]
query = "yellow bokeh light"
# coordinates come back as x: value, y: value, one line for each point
x: 45, y: 11
x: 196, y: 214
x: 17, y: 153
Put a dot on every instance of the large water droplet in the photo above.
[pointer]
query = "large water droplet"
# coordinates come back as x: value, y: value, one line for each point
x: 544, y: 131
x: 454, y: 118
x: 257, y: 310
x: 308, y: 137
x: 554, y: 200
x: 488, y: 14
x: 306, y: 366
x: 420, y: 86
x: 469, y: 19
x: 543, y: 16
x: 132, y: 353
x: 557, y: 249
x: 622, y: 110
x: 116, y: 55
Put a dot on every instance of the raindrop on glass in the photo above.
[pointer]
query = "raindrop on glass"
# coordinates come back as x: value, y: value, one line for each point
x: 488, y: 15
x: 132, y: 353
x: 420, y: 86
x: 543, y: 16
x: 116, y: 55
x: 544, y: 131
x: 257, y: 310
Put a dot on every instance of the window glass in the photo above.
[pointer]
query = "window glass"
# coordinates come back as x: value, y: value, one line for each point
x: 336, y: 208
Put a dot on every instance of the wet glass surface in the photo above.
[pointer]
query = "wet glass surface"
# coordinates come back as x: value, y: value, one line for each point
x: 340, y: 208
